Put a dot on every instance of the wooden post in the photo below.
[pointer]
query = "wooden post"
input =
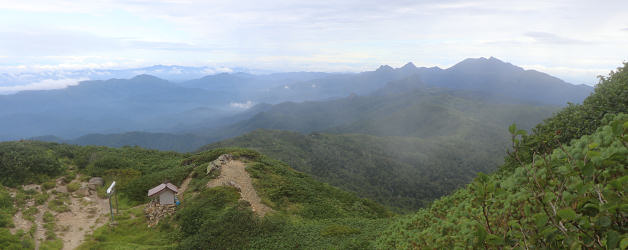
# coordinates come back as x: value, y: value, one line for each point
x: 110, y: 192
x: 116, y: 193
x: 110, y: 209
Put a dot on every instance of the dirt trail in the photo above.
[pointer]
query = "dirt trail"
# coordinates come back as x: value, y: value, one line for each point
x: 85, y: 215
x: 234, y: 171
x: 186, y: 182
x: 40, y: 232
x: 20, y: 223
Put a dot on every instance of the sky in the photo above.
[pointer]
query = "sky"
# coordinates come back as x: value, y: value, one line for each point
x: 573, y: 40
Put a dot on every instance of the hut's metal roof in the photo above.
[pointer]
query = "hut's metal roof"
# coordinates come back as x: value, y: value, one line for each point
x: 161, y: 187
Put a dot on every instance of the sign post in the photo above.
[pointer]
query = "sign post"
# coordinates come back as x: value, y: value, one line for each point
x: 110, y: 192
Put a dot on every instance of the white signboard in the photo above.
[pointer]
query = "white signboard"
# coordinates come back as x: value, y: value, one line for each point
x: 110, y: 189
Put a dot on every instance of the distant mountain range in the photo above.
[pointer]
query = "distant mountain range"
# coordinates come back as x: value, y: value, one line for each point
x: 173, y: 73
x: 401, y: 136
x: 150, y: 104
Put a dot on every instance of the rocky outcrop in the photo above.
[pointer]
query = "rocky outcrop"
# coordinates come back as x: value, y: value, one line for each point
x: 95, y: 183
x: 232, y: 184
x: 155, y: 211
x: 218, y: 163
x: 83, y: 191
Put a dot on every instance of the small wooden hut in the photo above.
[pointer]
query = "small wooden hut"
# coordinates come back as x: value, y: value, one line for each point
x: 166, y: 193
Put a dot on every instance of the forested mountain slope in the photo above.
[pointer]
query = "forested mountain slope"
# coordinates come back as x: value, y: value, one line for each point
x: 418, y: 110
x: 402, y: 172
x: 403, y: 149
x: 562, y: 186
x: 141, y: 103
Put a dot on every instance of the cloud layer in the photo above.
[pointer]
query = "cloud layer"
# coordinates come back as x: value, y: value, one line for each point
x: 321, y: 35
x: 41, y: 85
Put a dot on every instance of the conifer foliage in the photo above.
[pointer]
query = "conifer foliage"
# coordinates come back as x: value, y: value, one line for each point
x: 563, y: 186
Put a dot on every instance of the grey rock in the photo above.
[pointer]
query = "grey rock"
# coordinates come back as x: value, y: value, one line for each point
x: 95, y: 183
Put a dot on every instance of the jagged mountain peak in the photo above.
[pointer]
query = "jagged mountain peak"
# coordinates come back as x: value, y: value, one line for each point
x: 482, y: 64
x: 384, y: 68
x: 146, y: 77
x: 409, y: 65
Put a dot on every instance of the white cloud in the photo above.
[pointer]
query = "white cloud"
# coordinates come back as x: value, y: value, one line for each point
x: 545, y: 37
x: 211, y: 71
x: 41, y: 85
x: 325, y: 35
x: 242, y: 105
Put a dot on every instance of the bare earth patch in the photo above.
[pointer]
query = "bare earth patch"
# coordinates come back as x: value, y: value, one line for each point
x: 85, y: 215
x: 186, y: 183
x: 234, y: 172
x: 20, y: 223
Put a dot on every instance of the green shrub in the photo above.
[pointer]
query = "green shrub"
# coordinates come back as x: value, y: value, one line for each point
x: 70, y: 176
x: 339, y: 230
x: 85, y: 178
x: 27, y: 161
x: 136, y: 189
x: 73, y: 186
x: 30, y: 192
x: 50, y: 230
x: 52, y: 244
x: 6, y: 219
x: 573, y: 197
x: 48, y: 217
x: 122, y: 177
x: 215, y: 219
x: 8, y: 240
x: 5, y: 200
x: 58, y: 206
x: 41, y: 198
x: 102, y: 192
x: 30, y: 211
x: 98, y: 167
x: 20, y: 199
x: 48, y: 185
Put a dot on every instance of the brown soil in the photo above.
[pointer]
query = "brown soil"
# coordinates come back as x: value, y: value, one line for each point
x: 86, y: 214
x: 234, y: 171
x: 186, y: 182
x: 20, y: 223
x: 40, y: 232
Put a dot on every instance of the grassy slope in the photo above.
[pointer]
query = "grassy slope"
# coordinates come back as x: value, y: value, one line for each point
x: 309, y: 214
x: 573, y: 197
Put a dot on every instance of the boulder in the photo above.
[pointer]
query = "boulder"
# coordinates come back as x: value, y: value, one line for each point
x: 61, y: 181
x: 95, y: 183
x: 212, y: 167
x: 219, y: 162
x: 83, y: 191
x: 31, y: 187
x: 225, y: 158
x: 233, y: 184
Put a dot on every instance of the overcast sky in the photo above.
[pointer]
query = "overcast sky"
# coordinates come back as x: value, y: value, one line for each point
x: 574, y: 40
